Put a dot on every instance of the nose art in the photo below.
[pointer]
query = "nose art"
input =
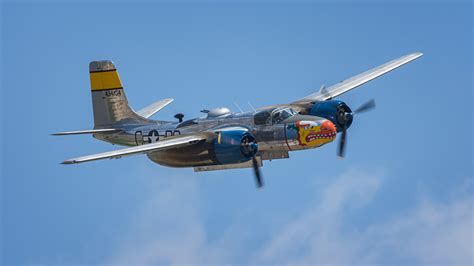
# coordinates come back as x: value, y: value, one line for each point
x: 329, y: 126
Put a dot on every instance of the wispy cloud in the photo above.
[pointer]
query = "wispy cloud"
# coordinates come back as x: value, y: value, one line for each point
x: 316, y: 237
x: 170, y: 229
x: 427, y: 233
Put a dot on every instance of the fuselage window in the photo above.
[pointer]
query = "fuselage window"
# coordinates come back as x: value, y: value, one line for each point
x: 261, y: 118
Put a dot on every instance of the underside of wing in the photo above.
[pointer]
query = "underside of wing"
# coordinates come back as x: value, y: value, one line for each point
x: 172, y: 142
x: 353, y: 82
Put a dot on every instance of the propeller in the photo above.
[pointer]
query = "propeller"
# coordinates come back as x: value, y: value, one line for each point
x: 344, y: 117
x: 256, y: 170
x: 342, y: 142
x: 250, y: 148
x: 367, y: 106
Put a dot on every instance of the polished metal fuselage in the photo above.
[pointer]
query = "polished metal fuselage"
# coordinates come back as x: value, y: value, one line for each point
x: 270, y: 137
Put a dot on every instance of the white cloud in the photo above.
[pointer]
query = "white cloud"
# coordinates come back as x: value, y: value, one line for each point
x: 171, y: 230
x: 430, y: 234
x: 165, y: 230
x: 314, y: 237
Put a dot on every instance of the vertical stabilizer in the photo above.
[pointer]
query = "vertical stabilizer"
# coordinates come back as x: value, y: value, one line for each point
x: 109, y: 102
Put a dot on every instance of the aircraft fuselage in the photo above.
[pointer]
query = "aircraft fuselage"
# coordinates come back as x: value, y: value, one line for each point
x: 297, y: 132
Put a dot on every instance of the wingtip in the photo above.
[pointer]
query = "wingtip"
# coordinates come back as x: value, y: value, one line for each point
x: 68, y: 162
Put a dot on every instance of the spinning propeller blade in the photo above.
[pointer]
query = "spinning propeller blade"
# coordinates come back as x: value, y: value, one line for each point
x: 367, y: 106
x: 256, y: 169
x: 342, y: 143
x: 250, y: 148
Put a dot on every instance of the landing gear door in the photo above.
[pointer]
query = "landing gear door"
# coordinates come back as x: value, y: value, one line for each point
x: 139, y: 138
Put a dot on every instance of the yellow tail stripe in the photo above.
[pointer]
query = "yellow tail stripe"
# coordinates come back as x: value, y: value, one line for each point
x: 105, y: 80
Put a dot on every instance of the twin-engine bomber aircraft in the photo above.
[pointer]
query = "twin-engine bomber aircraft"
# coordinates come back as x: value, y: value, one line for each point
x: 221, y: 139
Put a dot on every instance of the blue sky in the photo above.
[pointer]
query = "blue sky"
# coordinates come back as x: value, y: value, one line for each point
x: 402, y: 195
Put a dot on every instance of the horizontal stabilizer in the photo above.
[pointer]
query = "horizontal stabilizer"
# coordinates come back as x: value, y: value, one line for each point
x: 154, y: 107
x: 90, y: 131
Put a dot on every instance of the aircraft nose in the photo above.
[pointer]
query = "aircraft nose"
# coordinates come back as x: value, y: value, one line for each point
x: 329, y: 128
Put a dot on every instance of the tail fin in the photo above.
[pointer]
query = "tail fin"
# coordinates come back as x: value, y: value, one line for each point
x: 109, y: 102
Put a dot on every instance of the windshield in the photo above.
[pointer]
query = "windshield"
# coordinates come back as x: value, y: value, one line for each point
x: 282, y: 113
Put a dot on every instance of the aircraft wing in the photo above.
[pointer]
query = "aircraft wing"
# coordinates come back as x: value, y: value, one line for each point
x: 170, y: 143
x: 353, y: 82
x: 89, y: 131
x: 154, y: 107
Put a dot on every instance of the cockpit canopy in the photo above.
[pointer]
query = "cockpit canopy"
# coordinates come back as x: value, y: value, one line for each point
x: 273, y: 116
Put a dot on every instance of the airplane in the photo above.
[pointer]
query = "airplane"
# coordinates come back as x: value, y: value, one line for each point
x: 222, y: 139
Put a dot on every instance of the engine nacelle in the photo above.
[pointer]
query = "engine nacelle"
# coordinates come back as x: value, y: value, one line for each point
x: 334, y: 110
x: 234, y: 146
